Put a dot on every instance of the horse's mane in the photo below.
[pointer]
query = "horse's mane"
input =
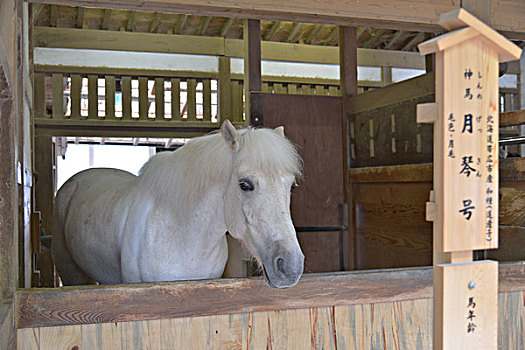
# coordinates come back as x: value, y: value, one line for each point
x: 179, y: 176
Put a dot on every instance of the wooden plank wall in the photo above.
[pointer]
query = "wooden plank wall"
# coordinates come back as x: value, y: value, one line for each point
x: 390, y: 212
x: 390, y: 325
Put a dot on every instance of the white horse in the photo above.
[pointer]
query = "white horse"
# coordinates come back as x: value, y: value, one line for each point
x: 169, y: 222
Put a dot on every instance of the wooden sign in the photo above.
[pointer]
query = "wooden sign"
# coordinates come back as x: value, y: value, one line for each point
x: 466, y: 121
x: 464, y: 202
x: 469, y: 305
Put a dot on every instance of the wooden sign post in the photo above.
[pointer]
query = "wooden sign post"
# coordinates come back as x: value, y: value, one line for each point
x: 464, y: 203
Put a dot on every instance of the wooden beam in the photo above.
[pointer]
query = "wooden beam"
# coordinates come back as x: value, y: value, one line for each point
x: 179, y: 26
x: 155, y: 23
x: 125, y: 128
x: 348, y: 73
x: 205, y: 22
x: 512, y: 118
x: 105, y: 19
x: 153, y: 301
x: 131, y: 21
x: 146, y: 42
x: 387, y: 14
x: 52, y: 16
x: 370, y: 43
x: 226, y: 27
x: 272, y: 30
x: 293, y: 33
x: 80, y: 17
x: 313, y: 33
x: 225, y: 89
x: 414, y: 41
x: 252, y: 71
x: 392, y: 41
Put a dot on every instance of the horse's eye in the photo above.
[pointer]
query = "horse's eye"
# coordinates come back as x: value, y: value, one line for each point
x: 294, y: 186
x: 246, y: 185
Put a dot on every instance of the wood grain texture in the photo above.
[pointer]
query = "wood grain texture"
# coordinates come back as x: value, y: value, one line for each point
x: 61, y: 338
x: 406, y: 14
x: 87, y: 305
x: 401, y: 324
x: 142, y: 302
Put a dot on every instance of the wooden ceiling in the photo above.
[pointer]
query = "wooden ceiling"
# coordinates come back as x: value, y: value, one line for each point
x: 167, y: 23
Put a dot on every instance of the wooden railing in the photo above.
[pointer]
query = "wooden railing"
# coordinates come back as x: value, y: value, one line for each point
x: 121, y: 97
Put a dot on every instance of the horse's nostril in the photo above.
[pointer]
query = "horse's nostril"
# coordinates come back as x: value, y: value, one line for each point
x: 279, y: 266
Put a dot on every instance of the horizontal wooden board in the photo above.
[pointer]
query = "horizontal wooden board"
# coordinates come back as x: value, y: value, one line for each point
x: 383, y: 13
x: 202, y: 45
x: 511, y: 169
x: 388, y: 325
x: 132, y: 302
x: 129, y: 128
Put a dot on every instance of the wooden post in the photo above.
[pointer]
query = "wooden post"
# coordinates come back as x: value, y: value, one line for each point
x: 348, y: 69
x: 225, y: 89
x: 464, y: 203
x: 44, y: 184
x: 252, y: 71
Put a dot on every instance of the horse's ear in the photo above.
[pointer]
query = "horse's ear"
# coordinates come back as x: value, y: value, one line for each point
x: 279, y: 130
x: 230, y: 135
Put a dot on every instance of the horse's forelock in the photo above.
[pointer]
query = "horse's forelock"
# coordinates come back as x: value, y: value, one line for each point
x: 266, y: 149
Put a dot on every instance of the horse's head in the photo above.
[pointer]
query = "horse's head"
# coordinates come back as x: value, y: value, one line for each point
x: 257, y: 201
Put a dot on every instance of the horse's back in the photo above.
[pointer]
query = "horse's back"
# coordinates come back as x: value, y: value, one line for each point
x: 90, y: 210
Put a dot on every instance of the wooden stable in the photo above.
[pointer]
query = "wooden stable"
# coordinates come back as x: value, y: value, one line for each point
x: 369, y: 215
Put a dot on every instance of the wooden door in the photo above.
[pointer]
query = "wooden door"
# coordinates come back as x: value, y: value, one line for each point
x: 313, y: 123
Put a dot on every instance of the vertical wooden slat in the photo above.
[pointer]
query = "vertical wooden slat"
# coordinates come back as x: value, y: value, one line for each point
x: 265, y: 87
x: 92, y: 97
x: 110, y: 96
x: 143, y: 98
x: 28, y: 339
x: 126, y: 97
x: 332, y: 90
x: 279, y: 88
x: 320, y: 90
x: 206, y: 99
x: 159, y: 98
x: 225, y: 89
x: 65, y: 337
x: 58, y: 96
x: 40, y: 95
x: 76, y: 90
x: 191, y: 99
x: 292, y: 89
x: 175, y: 99
x: 306, y: 89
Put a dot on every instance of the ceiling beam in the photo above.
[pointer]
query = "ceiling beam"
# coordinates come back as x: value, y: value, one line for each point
x: 394, y: 39
x: 80, y: 17
x: 226, y: 27
x: 293, y: 33
x: 155, y: 23
x: 131, y: 21
x: 106, y: 18
x: 313, y: 33
x: 395, y: 14
x: 205, y: 22
x: 179, y: 26
x: 415, y: 40
x: 146, y: 42
x: 271, y: 32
